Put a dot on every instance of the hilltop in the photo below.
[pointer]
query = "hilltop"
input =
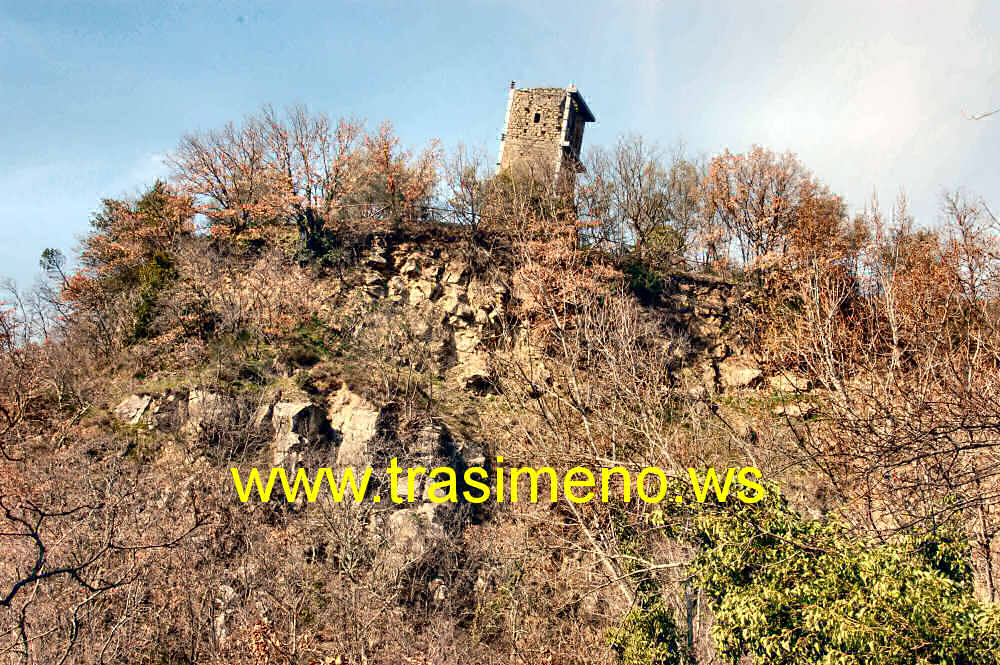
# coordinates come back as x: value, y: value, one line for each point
x: 308, y: 294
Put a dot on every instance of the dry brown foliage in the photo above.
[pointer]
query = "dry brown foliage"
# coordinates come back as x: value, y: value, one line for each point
x: 907, y: 351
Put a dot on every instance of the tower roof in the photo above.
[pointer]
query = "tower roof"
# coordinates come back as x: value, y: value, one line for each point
x: 585, y: 111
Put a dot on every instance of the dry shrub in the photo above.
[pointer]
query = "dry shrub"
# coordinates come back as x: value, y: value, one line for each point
x: 907, y: 351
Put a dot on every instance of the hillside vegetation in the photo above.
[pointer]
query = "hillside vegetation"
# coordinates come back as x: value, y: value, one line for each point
x: 305, y: 293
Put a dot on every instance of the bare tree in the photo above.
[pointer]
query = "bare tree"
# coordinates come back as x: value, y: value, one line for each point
x: 466, y: 186
x: 65, y: 556
x: 639, y: 200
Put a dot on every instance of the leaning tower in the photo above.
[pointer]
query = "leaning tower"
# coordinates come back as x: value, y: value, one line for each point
x: 544, y: 131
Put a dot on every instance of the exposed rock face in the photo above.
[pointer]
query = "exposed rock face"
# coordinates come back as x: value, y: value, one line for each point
x: 475, y: 375
x: 411, y: 533
x: 421, y: 290
x: 188, y: 412
x: 700, y: 305
x: 415, y: 529
x: 297, y: 426
x: 456, y: 309
x: 456, y: 272
x: 788, y: 383
x: 169, y: 411
x: 131, y: 409
x: 355, y: 419
x: 739, y: 372
x: 369, y: 436
x: 204, y: 408
x: 263, y: 415
x: 225, y: 602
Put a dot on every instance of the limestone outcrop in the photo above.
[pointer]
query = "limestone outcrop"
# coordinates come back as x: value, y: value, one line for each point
x: 739, y: 372
x: 354, y: 419
x: 297, y: 426
x: 455, y: 308
x: 132, y: 409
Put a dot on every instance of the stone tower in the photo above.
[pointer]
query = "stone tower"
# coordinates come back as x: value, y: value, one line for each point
x: 544, y: 130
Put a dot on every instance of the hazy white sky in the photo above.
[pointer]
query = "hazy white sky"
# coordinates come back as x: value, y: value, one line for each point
x: 871, y: 95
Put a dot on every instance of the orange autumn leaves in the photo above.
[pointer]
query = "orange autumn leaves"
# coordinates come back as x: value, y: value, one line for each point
x: 303, y: 167
x: 765, y: 208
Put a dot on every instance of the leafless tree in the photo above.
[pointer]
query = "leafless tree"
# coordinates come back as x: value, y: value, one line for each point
x: 639, y: 198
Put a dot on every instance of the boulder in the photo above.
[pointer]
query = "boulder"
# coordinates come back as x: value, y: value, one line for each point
x: 421, y: 290
x: 397, y: 286
x: 131, y: 409
x: 413, y: 529
x: 410, y: 268
x: 466, y: 342
x: 287, y: 450
x: 803, y: 410
x: 456, y: 272
x: 431, y: 271
x: 738, y: 372
x: 297, y: 425
x: 262, y: 415
x: 376, y: 260
x: 355, y: 419
x: 168, y: 412
x: 473, y: 374
x: 204, y: 407
x: 453, y: 304
x: 788, y: 383
x: 410, y: 533
x: 705, y: 328
x: 304, y: 418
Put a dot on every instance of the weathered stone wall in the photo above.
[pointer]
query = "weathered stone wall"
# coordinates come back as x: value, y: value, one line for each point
x: 542, y: 135
x: 534, y: 129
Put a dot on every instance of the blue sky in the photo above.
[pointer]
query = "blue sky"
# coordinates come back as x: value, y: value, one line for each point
x: 93, y: 94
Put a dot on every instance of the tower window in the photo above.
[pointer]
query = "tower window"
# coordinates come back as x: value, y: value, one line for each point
x: 538, y: 116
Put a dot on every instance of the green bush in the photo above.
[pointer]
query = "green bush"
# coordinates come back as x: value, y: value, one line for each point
x: 648, y: 636
x: 645, y: 282
x: 788, y: 590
